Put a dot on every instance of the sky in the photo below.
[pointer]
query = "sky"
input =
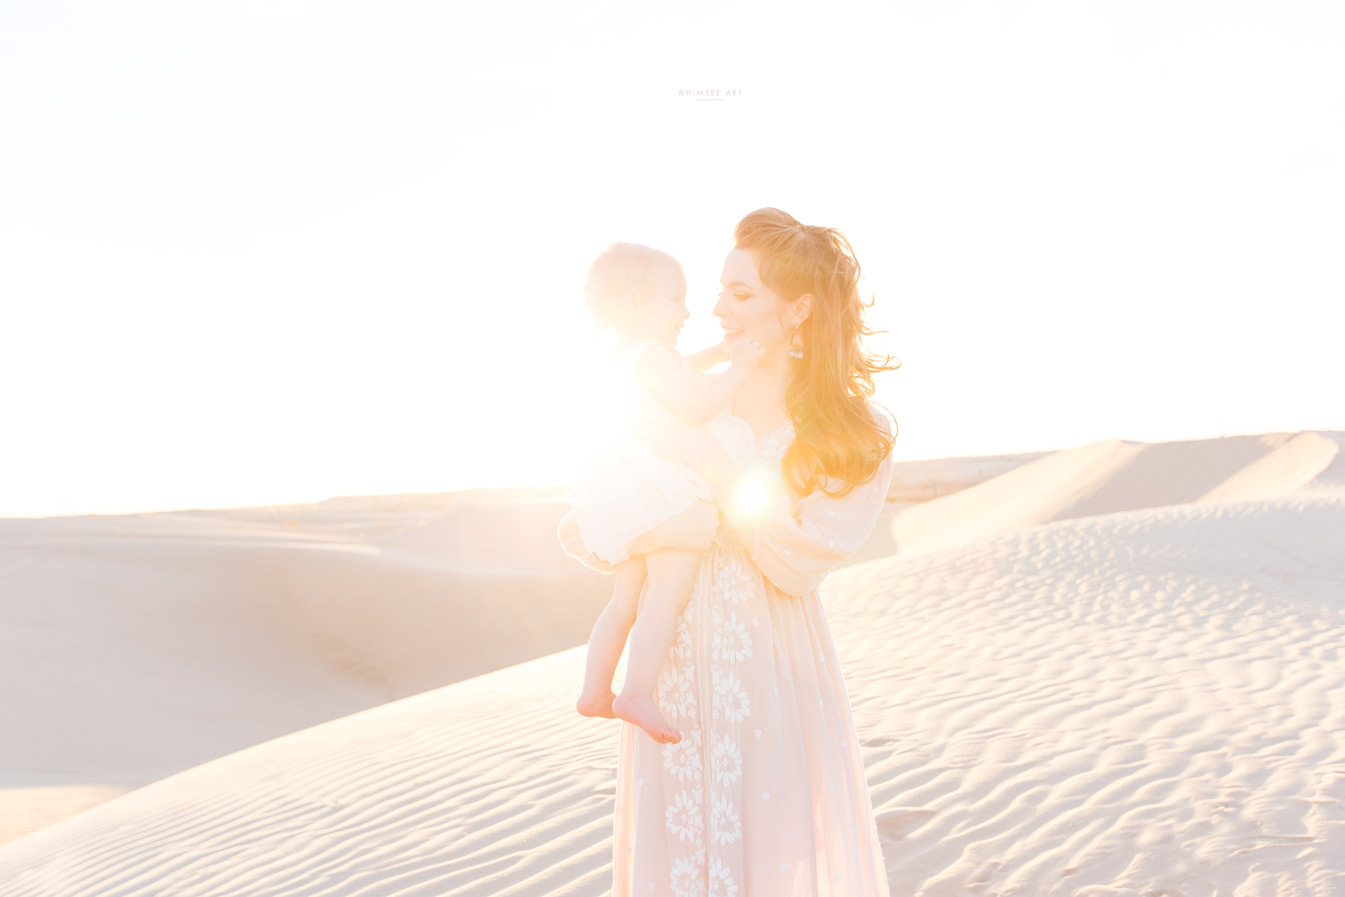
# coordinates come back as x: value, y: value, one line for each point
x: 260, y: 253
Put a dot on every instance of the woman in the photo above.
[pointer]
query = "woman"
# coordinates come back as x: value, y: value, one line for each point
x: 765, y: 795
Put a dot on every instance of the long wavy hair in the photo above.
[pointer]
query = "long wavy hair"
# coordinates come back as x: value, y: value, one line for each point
x: 838, y: 444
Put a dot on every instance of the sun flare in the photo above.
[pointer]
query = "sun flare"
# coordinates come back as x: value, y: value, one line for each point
x: 756, y: 490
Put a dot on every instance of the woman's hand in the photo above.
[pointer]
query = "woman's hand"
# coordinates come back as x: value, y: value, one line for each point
x: 692, y: 530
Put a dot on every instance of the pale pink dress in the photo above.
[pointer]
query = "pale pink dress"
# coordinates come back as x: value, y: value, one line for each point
x: 765, y: 796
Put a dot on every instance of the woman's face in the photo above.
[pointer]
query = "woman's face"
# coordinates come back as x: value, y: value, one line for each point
x: 747, y: 307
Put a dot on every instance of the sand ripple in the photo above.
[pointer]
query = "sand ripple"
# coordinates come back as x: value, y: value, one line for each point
x: 1148, y: 702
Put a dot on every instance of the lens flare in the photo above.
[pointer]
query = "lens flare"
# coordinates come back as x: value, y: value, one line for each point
x: 756, y: 491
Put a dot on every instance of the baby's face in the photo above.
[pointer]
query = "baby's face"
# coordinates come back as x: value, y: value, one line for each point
x: 664, y: 310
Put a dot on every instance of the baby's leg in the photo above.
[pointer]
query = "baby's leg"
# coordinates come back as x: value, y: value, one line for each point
x: 671, y: 577
x: 609, y: 637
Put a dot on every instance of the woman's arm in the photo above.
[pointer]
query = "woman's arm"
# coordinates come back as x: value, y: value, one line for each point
x: 795, y: 543
x: 692, y: 530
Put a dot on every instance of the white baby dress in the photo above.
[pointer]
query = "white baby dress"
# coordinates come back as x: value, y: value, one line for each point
x: 626, y: 489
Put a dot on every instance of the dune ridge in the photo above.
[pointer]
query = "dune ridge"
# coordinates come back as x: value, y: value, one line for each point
x: 1145, y: 701
x: 1116, y: 475
x: 216, y: 630
x: 219, y: 629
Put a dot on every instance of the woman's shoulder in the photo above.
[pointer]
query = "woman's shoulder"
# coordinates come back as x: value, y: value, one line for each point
x: 883, y: 418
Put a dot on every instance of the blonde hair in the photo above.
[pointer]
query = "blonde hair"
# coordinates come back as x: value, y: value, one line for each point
x: 620, y: 278
x: 838, y: 444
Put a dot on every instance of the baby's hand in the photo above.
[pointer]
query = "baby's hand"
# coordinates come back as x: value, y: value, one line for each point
x: 747, y: 352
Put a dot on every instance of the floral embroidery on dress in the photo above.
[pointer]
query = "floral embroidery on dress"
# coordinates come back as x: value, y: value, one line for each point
x: 705, y: 815
x: 733, y: 580
x: 731, y: 701
x: 727, y: 827
x: 683, y: 758
x: 721, y: 882
x: 728, y: 762
x: 686, y: 879
x: 739, y: 680
x: 732, y: 641
x: 684, y: 815
x: 681, y: 647
x: 675, y: 693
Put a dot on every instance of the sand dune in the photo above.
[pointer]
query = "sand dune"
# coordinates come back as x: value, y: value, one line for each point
x: 215, y: 630
x: 1116, y: 475
x: 1150, y: 701
x: 919, y: 481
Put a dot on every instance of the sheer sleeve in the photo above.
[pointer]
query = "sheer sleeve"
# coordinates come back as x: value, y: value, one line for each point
x: 573, y: 543
x: 796, y: 544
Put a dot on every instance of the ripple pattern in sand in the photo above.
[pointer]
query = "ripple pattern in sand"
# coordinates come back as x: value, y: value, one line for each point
x: 1149, y: 703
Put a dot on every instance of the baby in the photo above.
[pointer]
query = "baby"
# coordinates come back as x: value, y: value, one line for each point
x: 639, y: 294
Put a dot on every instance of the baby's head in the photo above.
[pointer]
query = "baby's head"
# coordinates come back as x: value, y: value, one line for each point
x: 637, y: 293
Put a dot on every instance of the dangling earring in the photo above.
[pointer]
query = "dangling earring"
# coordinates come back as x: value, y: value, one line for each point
x: 796, y: 344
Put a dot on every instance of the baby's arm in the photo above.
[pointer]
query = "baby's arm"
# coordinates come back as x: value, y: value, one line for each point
x: 696, y: 399
x: 705, y: 359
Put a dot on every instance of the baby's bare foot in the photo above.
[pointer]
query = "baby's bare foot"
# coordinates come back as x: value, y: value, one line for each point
x: 644, y: 714
x: 596, y: 704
